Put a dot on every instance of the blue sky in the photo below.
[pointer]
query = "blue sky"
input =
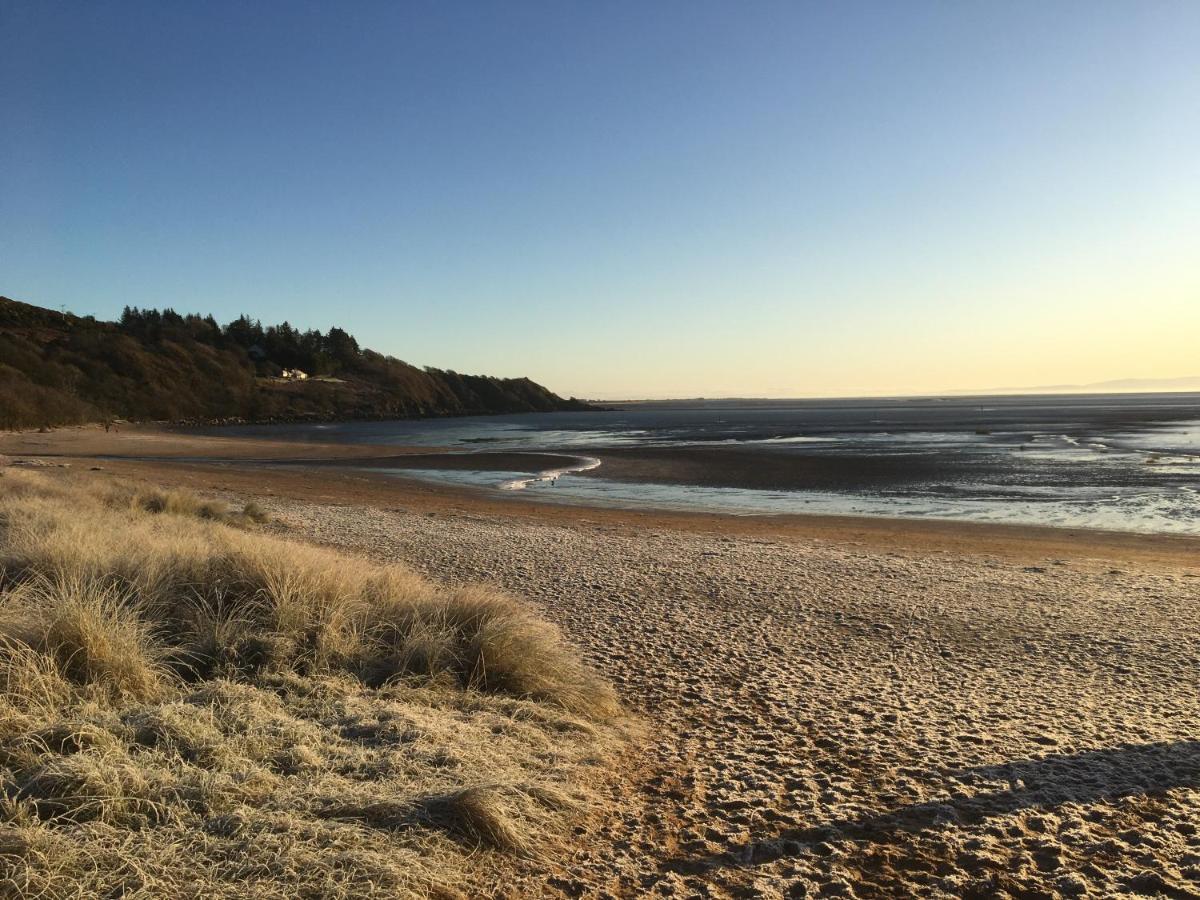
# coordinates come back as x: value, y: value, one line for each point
x: 627, y: 199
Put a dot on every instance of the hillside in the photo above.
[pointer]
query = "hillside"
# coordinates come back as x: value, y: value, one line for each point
x: 57, y: 368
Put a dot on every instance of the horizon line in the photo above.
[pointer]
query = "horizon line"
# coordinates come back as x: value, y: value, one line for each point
x: 959, y: 393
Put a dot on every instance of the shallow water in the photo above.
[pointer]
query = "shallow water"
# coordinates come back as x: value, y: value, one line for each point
x: 1125, y: 462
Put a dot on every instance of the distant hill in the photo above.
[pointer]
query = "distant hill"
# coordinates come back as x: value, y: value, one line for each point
x: 1116, y: 386
x: 57, y: 368
x: 1145, y: 384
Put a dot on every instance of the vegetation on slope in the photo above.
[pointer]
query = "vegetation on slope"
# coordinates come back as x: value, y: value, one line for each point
x: 190, y: 707
x: 56, y: 368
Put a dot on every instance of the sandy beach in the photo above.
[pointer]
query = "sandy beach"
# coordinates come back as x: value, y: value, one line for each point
x: 830, y: 720
x: 869, y: 708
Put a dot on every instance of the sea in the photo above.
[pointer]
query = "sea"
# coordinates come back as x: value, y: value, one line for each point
x: 1126, y: 462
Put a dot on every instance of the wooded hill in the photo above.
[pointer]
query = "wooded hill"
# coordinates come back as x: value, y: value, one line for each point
x: 57, y: 368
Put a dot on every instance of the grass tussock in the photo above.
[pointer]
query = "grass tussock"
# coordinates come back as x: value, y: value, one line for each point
x: 185, y: 503
x: 247, y: 716
x: 91, y: 631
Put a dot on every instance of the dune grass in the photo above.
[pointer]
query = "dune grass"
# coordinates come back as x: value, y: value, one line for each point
x: 189, y: 706
x: 185, y: 503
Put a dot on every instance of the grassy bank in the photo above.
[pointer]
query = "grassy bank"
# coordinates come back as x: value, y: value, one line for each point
x: 189, y: 706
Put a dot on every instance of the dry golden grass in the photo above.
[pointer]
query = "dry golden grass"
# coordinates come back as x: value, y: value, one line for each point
x: 185, y: 503
x: 189, y: 708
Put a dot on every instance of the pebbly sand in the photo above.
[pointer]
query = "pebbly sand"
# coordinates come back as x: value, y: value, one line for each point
x: 832, y: 708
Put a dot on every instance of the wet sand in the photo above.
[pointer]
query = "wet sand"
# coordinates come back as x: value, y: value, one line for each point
x: 530, y: 463
x: 231, y: 464
x: 705, y: 466
x: 765, y: 470
x: 155, y: 442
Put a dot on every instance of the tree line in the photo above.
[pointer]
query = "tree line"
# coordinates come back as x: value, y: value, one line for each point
x: 151, y: 364
x: 273, y: 347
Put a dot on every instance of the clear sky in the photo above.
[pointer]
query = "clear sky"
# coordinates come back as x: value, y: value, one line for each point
x: 627, y: 199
